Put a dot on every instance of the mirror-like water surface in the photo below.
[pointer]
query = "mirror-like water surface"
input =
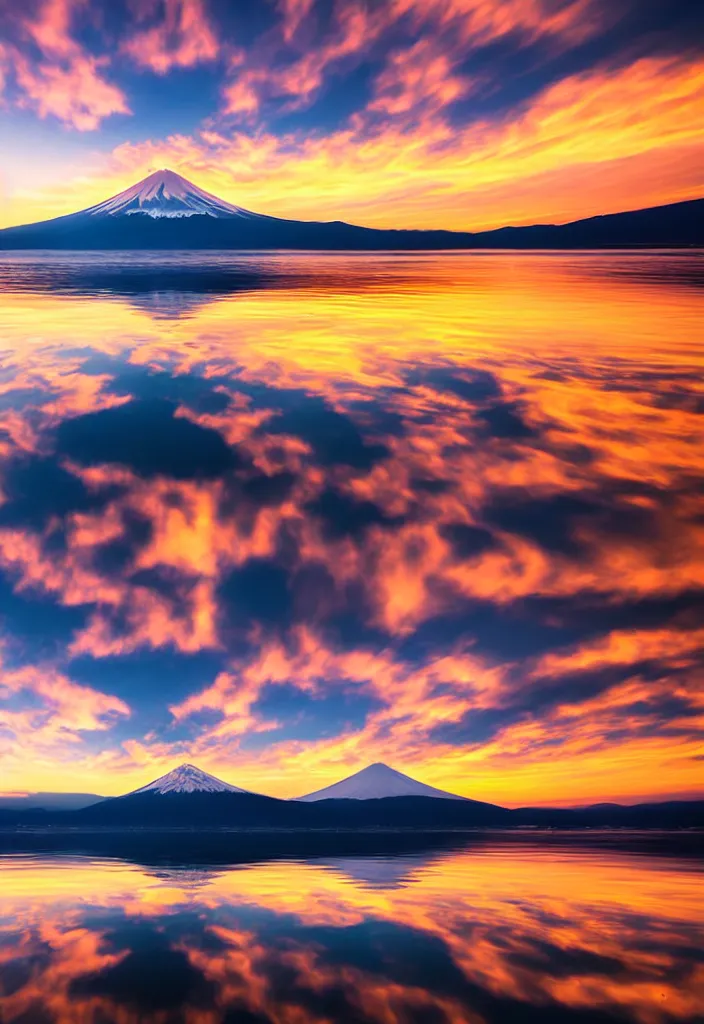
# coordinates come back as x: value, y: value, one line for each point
x: 286, y: 514
x: 489, y: 936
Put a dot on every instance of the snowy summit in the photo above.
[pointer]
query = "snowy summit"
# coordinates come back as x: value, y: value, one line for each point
x: 188, y: 779
x: 166, y: 194
x: 375, y: 782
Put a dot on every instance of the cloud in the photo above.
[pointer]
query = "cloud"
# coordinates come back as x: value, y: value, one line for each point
x: 47, y: 717
x: 272, y: 941
x: 443, y: 546
x: 468, y: 113
x: 432, y: 173
x: 75, y: 93
x: 182, y: 38
x: 297, y: 81
x: 65, y: 81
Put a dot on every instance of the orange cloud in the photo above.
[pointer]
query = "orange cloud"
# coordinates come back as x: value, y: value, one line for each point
x: 638, y: 915
x: 612, y: 421
x: 46, y: 717
x: 521, y: 169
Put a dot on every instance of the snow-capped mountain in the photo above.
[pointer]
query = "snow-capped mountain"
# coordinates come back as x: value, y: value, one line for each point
x: 166, y: 194
x: 375, y: 782
x: 187, y: 779
x: 166, y: 212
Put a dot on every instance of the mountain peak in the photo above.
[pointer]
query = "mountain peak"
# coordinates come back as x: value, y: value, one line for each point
x: 165, y: 193
x: 377, y: 781
x: 187, y: 778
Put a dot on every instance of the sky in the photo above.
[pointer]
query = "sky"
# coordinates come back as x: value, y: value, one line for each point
x: 285, y: 515
x: 403, y: 113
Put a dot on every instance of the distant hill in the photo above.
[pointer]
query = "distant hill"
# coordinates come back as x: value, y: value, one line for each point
x: 165, y: 211
x: 668, y: 814
x: 49, y: 801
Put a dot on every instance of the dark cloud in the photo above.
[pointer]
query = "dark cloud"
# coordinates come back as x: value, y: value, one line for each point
x: 148, y: 680
x: 268, y: 489
x: 470, y: 385
x: 535, y: 698
x: 502, y: 633
x: 467, y: 541
x: 38, y: 488
x: 34, y: 625
x: 113, y: 557
x: 555, y: 961
x: 505, y: 420
x: 301, y: 715
x: 477, y: 727
x: 152, y: 978
x: 334, y: 437
x: 259, y: 591
x: 148, y: 438
x: 555, y: 522
x: 343, y: 516
x: 191, y: 390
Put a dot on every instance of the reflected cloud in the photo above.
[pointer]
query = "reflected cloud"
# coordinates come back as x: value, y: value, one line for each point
x: 362, y: 512
x: 491, y: 935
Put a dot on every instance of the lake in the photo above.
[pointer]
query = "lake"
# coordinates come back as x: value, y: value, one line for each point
x: 282, y: 515
x: 287, y: 513
x: 491, y: 934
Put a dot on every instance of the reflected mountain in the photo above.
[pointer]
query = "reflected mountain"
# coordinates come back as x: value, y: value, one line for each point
x: 443, y: 512
x: 494, y: 935
x: 169, y: 286
x: 377, y: 872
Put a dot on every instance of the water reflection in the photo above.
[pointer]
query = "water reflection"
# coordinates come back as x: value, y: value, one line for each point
x: 492, y: 935
x: 293, y: 512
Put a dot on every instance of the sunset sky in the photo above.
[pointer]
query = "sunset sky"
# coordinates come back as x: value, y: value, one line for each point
x: 403, y: 113
x: 286, y: 517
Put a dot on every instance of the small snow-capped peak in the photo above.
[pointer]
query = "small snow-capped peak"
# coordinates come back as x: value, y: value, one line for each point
x: 166, y: 194
x: 188, y: 779
x: 375, y: 782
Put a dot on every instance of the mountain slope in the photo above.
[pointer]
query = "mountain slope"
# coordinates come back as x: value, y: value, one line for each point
x: 375, y: 782
x: 187, y: 779
x: 188, y: 797
x: 166, y: 194
x: 167, y: 212
x: 199, y: 809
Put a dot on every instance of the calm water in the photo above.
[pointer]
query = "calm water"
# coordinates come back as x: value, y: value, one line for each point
x: 488, y: 936
x: 284, y: 515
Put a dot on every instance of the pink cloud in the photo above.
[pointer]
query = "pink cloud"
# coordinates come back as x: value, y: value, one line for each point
x: 75, y: 93
x: 294, y: 13
x: 297, y: 82
x: 418, y: 77
x: 182, y: 39
x: 67, y: 82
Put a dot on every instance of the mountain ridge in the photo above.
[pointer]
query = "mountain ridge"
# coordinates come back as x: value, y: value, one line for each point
x: 167, y: 212
x: 187, y: 797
